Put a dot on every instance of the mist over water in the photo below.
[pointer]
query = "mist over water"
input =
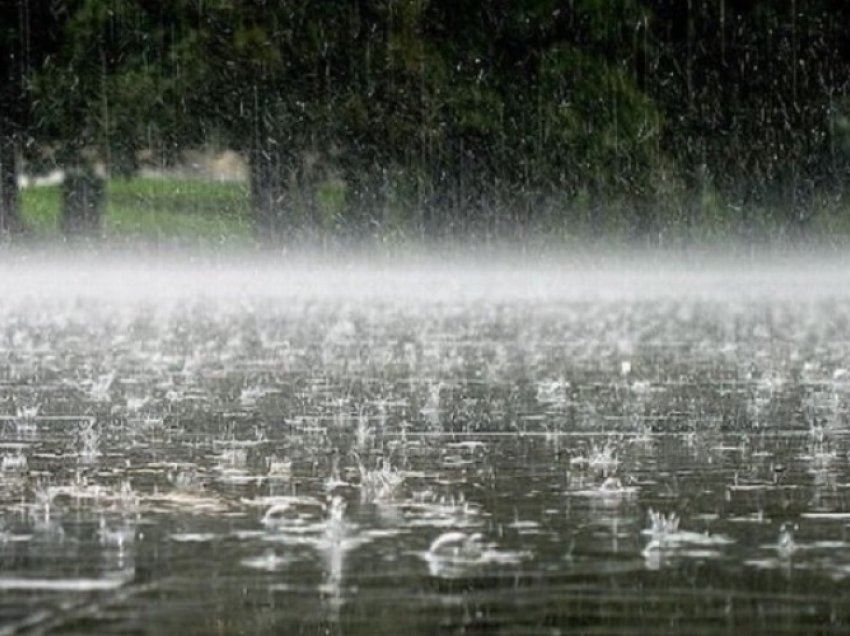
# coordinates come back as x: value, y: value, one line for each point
x: 376, y: 446
x: 500, y: 275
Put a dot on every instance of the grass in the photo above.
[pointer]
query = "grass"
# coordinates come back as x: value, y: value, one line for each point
x: 162, y: 210
x: 40, y: 209
x: 194, y: 212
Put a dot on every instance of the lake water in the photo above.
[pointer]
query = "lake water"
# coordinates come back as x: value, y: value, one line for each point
x: 263, y: 449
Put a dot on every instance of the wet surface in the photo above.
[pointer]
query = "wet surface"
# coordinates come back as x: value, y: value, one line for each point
x: 302, y: 464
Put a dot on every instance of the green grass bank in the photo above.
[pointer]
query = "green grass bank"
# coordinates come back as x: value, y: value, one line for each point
x: 196, y: 212
x: 170, y: 210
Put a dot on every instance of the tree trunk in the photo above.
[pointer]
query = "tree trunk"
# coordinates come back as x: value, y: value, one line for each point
x: 268, y: 193
x: 442, y: 205
x: 10, y: 218
x: 646, y: 229
x: 365, y: 201
x: 83, y: 196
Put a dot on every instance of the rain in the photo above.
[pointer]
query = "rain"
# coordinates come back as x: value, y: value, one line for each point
x: 384, y: 317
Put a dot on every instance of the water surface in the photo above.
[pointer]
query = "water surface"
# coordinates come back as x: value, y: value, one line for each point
x: 262, y: 449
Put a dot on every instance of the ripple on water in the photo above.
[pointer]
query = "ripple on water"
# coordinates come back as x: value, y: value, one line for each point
x: 667, y: 541
x: 457, y: 554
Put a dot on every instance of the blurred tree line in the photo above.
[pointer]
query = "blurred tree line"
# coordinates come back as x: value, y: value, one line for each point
x: 478, y: 116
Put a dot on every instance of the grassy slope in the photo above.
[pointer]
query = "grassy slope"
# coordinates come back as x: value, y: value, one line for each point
x: 157, y: 209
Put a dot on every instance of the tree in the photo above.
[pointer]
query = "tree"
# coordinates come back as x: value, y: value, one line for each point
x: 22, y: 48
x: 104, y: 93
x: 470, y: 112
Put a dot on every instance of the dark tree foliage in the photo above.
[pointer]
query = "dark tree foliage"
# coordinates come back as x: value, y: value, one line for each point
x: 758, y: 91
x: 470, y: 116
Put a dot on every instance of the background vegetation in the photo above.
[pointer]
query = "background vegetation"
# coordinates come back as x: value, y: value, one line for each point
x: 648, y: 120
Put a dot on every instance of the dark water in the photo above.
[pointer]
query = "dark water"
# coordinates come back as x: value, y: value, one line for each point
x: 416, y: 462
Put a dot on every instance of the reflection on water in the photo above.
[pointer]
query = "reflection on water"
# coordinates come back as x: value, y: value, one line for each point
x: 322, y: 465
